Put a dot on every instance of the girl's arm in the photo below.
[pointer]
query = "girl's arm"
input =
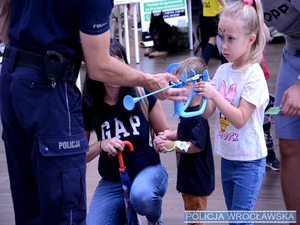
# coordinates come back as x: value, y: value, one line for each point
x: 237, y: 116
x: 209, y: 109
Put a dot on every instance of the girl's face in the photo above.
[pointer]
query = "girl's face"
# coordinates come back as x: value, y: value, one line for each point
x: 235, y: 44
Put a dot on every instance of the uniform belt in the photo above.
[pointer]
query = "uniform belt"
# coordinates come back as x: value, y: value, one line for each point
x: 69, y: 71
x: 24, y: 58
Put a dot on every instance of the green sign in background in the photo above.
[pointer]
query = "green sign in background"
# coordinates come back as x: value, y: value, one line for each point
x: 161, y: 6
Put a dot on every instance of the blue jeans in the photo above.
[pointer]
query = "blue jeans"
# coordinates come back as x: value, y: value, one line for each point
x: 241, y: 181
x: 147, y: 190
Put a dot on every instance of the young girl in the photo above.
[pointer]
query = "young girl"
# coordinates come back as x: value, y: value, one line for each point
x: 239, y: 98
x: 104, y: 113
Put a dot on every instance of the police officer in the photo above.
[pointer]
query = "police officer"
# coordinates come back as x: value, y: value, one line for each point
x: 40, y: 104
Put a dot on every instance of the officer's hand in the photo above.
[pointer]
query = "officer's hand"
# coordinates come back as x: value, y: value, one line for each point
x: 161, y: 80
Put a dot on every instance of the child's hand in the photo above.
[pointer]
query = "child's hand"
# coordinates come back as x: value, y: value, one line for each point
x: 165, y: 146
x: 206, y: 89
x: 156, y: 143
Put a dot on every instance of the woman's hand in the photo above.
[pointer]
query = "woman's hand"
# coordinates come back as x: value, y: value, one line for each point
x: 157, y: 140
x: 112, y: 145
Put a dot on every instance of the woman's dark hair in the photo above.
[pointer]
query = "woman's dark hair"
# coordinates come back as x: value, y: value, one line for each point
x: 94, y: 91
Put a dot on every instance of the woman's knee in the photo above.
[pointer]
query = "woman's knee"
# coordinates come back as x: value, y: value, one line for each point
x: 145, y: 201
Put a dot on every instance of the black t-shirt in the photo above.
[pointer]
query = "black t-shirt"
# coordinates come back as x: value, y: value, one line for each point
x: 116, y: 121
x: 40, y: 25
x: 195, y: 173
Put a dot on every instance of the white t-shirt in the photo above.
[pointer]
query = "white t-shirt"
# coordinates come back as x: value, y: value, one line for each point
x: 246, y: 143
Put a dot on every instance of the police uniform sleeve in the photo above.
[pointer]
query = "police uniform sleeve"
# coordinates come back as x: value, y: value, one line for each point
x: 94, y: 16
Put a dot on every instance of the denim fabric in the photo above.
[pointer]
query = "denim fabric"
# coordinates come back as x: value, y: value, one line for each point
x: 241, y: 181
x: 147, y: 190
x: 287, y: 127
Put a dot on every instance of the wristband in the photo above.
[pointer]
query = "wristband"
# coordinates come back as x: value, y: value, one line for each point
x: 182, y: 145
x: 169, y: 149
x: 299, y: 77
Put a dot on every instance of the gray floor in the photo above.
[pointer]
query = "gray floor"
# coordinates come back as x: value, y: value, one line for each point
x: 270, y: 196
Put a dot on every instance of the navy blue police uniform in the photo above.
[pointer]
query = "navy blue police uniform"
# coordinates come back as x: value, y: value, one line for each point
x: 41, y: 107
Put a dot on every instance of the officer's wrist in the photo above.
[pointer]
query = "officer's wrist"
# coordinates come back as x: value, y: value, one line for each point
x: 299, y: 77
x: 148, y: 81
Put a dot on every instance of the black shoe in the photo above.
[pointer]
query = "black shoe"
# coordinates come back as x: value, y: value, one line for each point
x: 273, y: 164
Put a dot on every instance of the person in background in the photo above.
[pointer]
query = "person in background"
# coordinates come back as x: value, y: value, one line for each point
x: 271, y: 161
x: 43, y: 132
x: 104, y: 113
x: 238, y: 94
x: 284, y: 16
x: 209, y: 27
x: 192, y: 143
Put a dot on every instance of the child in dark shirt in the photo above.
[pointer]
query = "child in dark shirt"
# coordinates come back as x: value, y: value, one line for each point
x: 192, y: 143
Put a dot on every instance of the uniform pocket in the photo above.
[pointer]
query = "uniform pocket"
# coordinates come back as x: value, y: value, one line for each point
x: 62, y: 168
x: 63, y: 146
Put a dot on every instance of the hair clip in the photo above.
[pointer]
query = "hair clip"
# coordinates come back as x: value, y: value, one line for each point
x: 248, y: 2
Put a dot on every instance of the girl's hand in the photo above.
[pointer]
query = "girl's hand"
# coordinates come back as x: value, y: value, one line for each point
x: 206, y: 89
x: 112, y: 145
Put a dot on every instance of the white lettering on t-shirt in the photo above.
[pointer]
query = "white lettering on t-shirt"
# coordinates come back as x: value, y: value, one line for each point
x: 105, y: 130
x: 135, y: 122
x: 120, y: 129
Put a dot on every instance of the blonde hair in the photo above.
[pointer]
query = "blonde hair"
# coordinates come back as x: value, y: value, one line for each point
x: 252, y: 21
x: 195, y: 63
